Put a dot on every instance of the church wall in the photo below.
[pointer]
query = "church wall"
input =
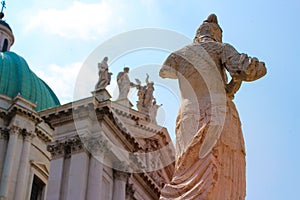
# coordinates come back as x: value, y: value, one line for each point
x: 23, y: 150
x: 98, y: 135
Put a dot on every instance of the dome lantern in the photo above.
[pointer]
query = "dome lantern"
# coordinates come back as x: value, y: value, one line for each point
x: 6, y: 34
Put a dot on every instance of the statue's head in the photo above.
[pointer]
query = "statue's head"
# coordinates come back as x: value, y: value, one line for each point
x: 209, y: 29
x: 105, y: 59
x: 151, y: 84
x: 126, y: 69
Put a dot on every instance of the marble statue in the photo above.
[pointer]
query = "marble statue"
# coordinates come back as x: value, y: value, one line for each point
x: 145, y: 95
x: 153, y: 111
x: 141, y: 94
x: 148, y: 100
x: 210, y: 152
x: 104, y: 75
x: 124, y: 83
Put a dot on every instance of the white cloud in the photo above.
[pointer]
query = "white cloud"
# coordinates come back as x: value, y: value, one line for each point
x: 61, y: 79
x: 82, y: 20
x: 79, y: 20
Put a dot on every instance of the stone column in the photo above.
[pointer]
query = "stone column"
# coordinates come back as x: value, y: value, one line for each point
x: 77, y: 179
x: 22, y: 178
x: 56, y: 172
x: 120, y: 180
x: 94, y: 189
x: 3, y: 146
x: 9, y: 163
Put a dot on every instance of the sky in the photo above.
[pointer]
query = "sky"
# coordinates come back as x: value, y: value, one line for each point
x: 57, y: 37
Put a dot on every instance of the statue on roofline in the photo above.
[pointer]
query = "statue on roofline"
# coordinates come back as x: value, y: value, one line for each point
x: 210, y: 153
x: 124, y: 83
x: 146, y: 102
x: 104, y: 76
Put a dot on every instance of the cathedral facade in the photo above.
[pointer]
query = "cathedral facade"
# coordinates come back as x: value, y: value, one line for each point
x: 90, y: 149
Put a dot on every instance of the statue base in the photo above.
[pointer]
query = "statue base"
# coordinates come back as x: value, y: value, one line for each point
x: 124, y: 102
x: 101, y: 95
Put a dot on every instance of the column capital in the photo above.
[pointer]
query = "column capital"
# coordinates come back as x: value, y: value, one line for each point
x: 4, y: 134
x: 56, y: 150
x: 14, y: 130
x: 75, y: 144
x: 28, y: 136
x: 66, y: 147
x: 119, y: 175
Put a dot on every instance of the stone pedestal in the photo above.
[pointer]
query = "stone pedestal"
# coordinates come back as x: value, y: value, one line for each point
x: 101, y: 95
x: 124, y: 102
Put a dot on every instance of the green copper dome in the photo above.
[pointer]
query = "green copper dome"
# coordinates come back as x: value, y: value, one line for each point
x: 16, y: 78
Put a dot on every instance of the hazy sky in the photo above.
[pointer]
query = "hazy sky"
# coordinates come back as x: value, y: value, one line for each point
x: 56, y: 37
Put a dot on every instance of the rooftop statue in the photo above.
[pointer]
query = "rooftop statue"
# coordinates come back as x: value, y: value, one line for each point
x: 153, y: 111
x: 148, y: 100
x: 210, y: 152
x: 123, y: 83
x: 145, y: 94
x: 104, y: 75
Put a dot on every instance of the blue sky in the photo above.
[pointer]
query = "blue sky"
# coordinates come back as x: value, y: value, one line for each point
x: 56, y: 37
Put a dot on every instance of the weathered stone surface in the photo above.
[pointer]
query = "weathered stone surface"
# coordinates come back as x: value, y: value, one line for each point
x: 210, y: 150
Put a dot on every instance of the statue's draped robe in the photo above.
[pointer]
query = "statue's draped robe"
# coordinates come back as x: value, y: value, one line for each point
x: 104, y: 78
x: 220, y: 174
x: 123, y: 84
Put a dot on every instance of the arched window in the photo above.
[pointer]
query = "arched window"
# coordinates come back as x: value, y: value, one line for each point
x: 5, y: 44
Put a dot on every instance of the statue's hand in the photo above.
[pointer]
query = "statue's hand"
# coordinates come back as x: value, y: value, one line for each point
x: 250, y: 70
x: 255, y: 70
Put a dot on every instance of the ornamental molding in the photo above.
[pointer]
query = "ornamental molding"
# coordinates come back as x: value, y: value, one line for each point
x: 43, y: 135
